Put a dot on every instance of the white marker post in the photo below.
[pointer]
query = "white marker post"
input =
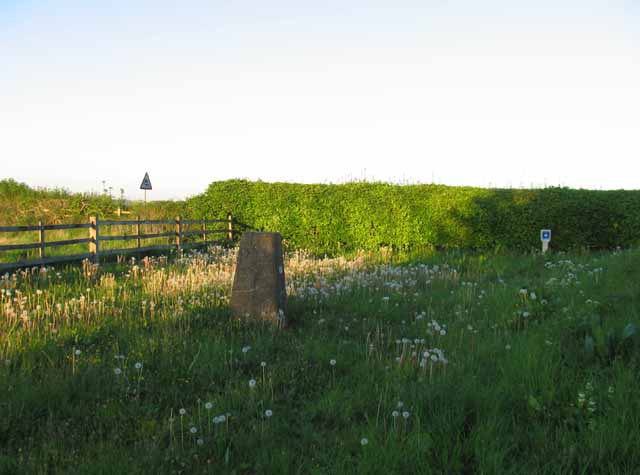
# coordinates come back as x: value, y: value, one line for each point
x: 145, y: 185
x: 545, y: 237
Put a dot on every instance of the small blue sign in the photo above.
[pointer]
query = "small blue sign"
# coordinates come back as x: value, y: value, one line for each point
x: 545, y: 235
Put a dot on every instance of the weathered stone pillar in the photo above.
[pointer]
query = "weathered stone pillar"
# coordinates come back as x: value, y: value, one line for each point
x: 258, y: 285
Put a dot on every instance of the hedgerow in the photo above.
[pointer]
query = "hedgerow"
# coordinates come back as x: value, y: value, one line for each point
x: 327, y: 219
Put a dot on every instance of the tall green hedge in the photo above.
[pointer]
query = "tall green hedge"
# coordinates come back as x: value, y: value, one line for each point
x: 332, y: 218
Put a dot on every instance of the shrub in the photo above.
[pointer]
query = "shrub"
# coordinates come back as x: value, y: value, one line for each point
x: 360, y: 215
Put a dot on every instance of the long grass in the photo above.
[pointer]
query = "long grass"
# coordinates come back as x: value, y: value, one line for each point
x: 443, y: 363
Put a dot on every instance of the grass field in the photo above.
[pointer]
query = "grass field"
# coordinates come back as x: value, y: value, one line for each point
x: 443, y: 363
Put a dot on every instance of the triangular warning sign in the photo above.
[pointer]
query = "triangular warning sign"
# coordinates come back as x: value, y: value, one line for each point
x: 146, y: 183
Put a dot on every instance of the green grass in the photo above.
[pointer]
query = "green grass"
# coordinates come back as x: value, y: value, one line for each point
x: 530, y: 385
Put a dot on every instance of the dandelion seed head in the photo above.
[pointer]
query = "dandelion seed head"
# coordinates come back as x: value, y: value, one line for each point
x: 364, y: 441
x: 268, y: 413
x: 182, y: 411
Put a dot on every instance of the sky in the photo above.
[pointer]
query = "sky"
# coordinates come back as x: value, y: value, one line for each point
x: 488, y: 93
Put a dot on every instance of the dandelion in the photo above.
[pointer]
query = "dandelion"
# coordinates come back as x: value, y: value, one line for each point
x: 252, y: 383
x: 268, y: 413
x: 245, y: 349
x: 182, y: 411
x: 200, y: 441
x: 117, y: 371
x: 193, y: 430
x: 78, y: 352
x: 263, y: 364
x: 332, y: 362
x: 364, y: 441
x: 406, y: 414
x: 208, y: 406
x: 395, y: 414
x: 138, y: 366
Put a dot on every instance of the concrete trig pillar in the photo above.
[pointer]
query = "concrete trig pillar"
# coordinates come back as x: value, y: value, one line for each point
x: 258, y: 285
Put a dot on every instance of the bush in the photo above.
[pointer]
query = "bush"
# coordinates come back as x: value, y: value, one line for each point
x: 23, y: 205
x: 333, y: 218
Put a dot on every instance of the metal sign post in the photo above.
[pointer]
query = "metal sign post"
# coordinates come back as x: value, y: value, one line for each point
x: 145, y: 185
x: 545, y: 237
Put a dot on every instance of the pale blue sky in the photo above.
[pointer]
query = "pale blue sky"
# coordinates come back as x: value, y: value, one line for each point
x: 501, y: 93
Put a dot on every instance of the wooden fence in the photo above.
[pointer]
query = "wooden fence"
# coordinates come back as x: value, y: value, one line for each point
x: 95, y: 237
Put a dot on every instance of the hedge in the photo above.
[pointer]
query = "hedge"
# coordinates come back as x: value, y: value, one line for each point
x: 327, y: 219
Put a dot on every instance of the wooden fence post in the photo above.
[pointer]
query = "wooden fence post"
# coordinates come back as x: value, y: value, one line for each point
x: 178, y: 233
x: 94, y: 235
x: 138, y: 231
x: 41, y: 239
x: 204, y: 230
x: 229, y: 226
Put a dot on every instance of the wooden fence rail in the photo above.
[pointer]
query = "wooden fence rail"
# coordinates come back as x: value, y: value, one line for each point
x: 96, y: 227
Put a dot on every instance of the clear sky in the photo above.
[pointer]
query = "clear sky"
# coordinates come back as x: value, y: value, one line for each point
x: 460, y: 92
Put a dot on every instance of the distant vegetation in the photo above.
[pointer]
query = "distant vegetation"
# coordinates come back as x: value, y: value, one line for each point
x: 334, y: 218
x: 337, y: 218
x: 20, y: 204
